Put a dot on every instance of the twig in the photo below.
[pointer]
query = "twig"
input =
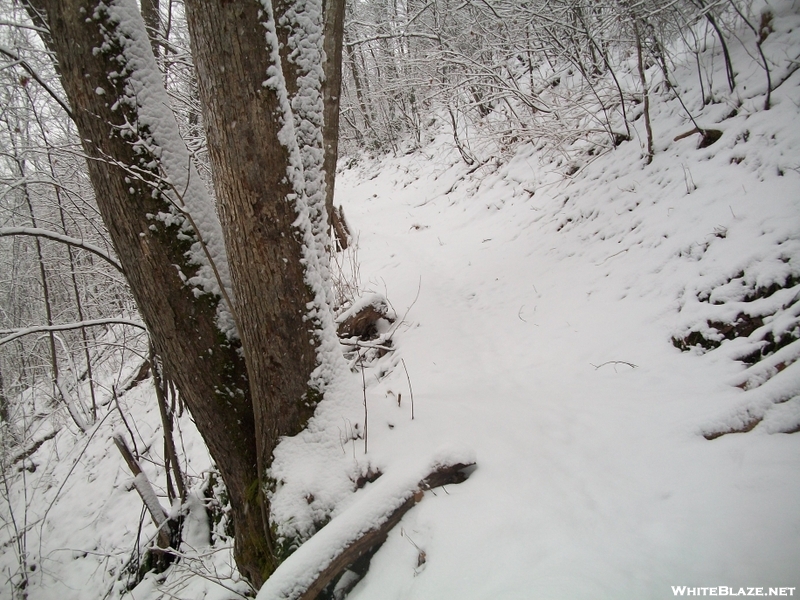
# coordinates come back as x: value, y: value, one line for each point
x: 687, y: 179
x: 615, y: 362
x: 421, y: 556
x: 17, y: 333
x: 410, y: 389
x: 612, y: 256
x: 124, y: 420
x: 364, y: 388
x: 360, y: 344
x: 64, y: 239
x: 32, y: 72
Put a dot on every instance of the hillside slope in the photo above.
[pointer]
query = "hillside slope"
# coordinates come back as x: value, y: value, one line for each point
x: 544, y: 337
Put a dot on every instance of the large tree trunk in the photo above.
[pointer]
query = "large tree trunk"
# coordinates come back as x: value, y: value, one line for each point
x: 205, y: 365
x: 253, y: 191
x: 260, y: 76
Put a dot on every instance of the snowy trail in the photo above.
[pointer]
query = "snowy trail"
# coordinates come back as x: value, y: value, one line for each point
x: 592, y: 482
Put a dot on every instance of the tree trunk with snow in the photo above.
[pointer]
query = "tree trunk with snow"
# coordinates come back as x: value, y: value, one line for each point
x: 136, y: 194
x: 260, y: 76
x: 265, y: 145
x: 332, y: 90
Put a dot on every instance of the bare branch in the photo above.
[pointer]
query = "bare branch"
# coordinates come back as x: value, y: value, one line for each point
x: 17, y: 25
x: 64, y: 239
x: 32, y: 72
x: 13, y: 334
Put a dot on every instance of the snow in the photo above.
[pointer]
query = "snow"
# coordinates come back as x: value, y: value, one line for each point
x: 538, y: 313
x: 157, y: 132
x: 375, y: 300
x: 542, y: 339
x: 301, y: 134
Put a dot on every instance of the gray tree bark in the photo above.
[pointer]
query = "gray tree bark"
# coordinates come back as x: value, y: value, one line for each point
x: 331, y: 93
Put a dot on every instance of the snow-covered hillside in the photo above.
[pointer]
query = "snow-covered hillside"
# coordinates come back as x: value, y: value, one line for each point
x: 616, y: 349
x: 542, y: 331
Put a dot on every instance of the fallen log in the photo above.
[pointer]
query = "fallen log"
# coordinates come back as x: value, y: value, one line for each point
x: 708, y: 136
x: 31, y: 450
x: 354, y: 534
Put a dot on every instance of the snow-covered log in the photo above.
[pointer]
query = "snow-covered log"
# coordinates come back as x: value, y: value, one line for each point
x: 359, y: 529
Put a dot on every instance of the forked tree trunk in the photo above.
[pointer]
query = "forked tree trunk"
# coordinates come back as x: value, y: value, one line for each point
x: 259, y: 74
x: 249, y: 161
x: 206, y: 367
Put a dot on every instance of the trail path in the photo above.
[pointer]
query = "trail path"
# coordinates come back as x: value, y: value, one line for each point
x: 593, y: 478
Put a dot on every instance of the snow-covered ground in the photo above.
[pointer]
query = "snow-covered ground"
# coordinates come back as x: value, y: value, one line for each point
x: 539, y: 335
x: 594, y: 479
x: 536, y: 318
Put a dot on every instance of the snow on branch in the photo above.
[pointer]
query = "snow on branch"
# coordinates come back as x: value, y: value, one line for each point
x: 145, y: 490
x: 64, y: 239
x: 13, y: 334
x: 392, y: 36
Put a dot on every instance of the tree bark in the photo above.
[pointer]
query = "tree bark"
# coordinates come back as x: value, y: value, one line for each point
x: 152, y: 19
x: 366, y: 114
x: 331, y: 93
x: 259, y: 79
x: 250, y: 161
x: 645, y: 92
x: 206, y: 367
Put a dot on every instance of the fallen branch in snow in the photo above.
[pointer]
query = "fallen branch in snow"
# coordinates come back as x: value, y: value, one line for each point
x: 358, y: 531
x: 614, y: 362
x: 709, y: 136
x: 28, y: 452
x: 360, y: 344
x: 142, y: 485
x: 375, y: 537
x: 612, y: 256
